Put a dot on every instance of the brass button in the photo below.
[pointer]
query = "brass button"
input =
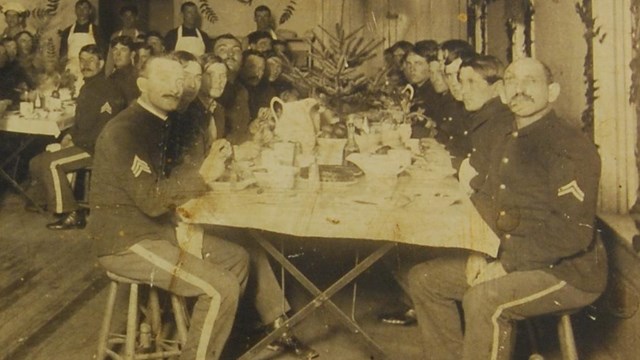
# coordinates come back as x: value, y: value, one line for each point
x: 507, y: 236
x: 503, y: 213
x: 503, y: 186
x: 515, y: 134
x: 505, y: 160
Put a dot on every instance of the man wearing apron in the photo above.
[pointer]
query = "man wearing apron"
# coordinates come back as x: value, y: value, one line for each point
x: 75, y: 37
x: 188, y: 37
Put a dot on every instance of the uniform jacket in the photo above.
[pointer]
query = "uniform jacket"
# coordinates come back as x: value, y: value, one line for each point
x: 453, y: 129
x: 125, y: 80
x: 131, y: 197
x: 424, y: 100
x: 487, y: 126
x: 540, y: 199
x: 235, y: 100
x: 98, y: 101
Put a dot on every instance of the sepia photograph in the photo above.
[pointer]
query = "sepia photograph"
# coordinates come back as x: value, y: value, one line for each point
x: 319, y: 179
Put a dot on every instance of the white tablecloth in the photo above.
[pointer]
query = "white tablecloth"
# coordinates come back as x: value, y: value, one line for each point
x: 425, y: 206
x: 44, y: 123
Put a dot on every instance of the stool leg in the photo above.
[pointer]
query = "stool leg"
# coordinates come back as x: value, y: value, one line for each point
x: 180, y: 316
x: 567, y: 340
x: 106, y: 321
x: 132, y: 324
x: 155, y: 316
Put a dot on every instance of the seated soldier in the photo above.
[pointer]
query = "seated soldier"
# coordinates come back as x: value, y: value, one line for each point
x: 124, y: 74
x: 97, y: 103
x: 132, y: 206
x: 540, y: 198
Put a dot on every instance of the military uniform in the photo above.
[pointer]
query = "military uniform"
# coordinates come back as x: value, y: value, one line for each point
x: 190, y: 140
x: 453, y: 129
x: 424, y: 101
x: 235, y: 100
x: 540, y: 199
x: 96, y: 104
x: 132, y: 204
x: 487, y: 126
x: 125, y: 80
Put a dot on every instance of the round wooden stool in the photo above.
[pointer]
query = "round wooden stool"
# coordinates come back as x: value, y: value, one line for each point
x: 565, y: 338
x: 142, y: 340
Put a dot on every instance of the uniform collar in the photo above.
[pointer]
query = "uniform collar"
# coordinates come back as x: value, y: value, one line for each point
x: 543, y: 122
x: 492, y: 109
x: 152, y: 109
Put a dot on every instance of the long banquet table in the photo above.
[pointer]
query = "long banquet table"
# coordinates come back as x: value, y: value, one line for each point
x: 424, y: 206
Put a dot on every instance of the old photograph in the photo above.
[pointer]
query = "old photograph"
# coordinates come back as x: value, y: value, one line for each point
x: 319, y: 179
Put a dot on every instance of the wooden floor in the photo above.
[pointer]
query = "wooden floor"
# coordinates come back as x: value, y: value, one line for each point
x: 52, y: 295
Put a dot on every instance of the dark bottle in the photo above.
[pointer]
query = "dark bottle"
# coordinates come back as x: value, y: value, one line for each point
x: 351, y: 146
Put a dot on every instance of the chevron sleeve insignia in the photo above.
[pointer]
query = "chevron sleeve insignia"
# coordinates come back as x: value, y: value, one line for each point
x: 106, y: 107
x: 139, y: 166
x: 573, y: 189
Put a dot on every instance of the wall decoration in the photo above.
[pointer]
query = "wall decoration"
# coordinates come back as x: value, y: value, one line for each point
x: 288, y: 12
x: 208, y: 12
x: 591, y: 33
x: 634, y: 96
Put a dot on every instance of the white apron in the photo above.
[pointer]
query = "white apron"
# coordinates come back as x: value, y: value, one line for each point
x: 75, y: 43
x: 194, y: 45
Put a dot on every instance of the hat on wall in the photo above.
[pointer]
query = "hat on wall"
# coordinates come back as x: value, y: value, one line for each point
x: 13, y: 7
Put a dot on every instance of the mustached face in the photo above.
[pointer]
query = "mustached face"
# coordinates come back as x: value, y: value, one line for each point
x: 164, y: 84
x: 90, y: 64
x: 526, y: 88
x: 230, y: 51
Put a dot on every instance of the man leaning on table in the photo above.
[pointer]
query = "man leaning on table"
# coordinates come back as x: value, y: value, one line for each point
x: 133, y: 203
x: 540, y: 199
x: 98, y: 101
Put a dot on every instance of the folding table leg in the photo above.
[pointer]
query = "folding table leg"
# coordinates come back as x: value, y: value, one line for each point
x: 321, y: 298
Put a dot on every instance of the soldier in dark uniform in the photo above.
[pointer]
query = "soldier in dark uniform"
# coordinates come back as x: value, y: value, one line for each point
x: 97, y: 103
x: 481, y: 80
x: 132, y: 202
x: 453, y: 128
x: 540, y: 199
x: 418, y: 72
x: 125, y: 73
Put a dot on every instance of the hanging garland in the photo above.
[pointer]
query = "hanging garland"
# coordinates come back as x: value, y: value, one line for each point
x: 591, y: 33
x: 288, y: 12
x: 208, y: 12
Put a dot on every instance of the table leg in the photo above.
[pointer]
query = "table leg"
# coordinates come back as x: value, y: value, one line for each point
x: 321, y: 297
x: 10, y: 180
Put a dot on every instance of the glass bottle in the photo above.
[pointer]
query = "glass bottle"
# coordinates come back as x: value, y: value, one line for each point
x: 351, y: 146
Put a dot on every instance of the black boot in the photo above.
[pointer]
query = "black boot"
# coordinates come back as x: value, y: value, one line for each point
x: 405, y: 317
x: 289, y: 342
x: 72, y: 220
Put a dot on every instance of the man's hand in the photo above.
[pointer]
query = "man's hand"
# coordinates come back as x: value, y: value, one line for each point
x: 492, y: 271
x: 66, y: 141
x: 213, y: 166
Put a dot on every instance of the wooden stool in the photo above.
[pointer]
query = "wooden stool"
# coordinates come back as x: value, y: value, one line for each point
x: 145, y: 333
x: 565, y: 338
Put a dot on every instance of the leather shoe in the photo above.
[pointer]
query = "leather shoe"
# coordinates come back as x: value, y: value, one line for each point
x: 289, y: 342
x: 401, y: 318
x: 72, y: 220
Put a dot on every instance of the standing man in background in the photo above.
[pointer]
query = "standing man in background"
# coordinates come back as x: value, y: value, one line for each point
x: 75, y: 37
x: 188, y: 37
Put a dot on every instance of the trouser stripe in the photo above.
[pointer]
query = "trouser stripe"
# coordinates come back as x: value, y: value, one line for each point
x: 214, y: 307
x: 524, y: 300
x: 56, y: 176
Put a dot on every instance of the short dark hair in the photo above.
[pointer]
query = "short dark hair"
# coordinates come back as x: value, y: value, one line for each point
x: 208, y: 59
x: 262, y: 8
x: 251, y: 52
x: 225, y: 36
x: 456, y: 49
x: 80, y: 2
x: 23, y: 32
x: 489, y: 67
x: 428, y: 49
x: 92, y: 49
x: 122, y: 40
x: 402, y: 44
x: 187, y: 4
x: 256, y: 36
x: 185, y: 57
x: 129, y: 8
